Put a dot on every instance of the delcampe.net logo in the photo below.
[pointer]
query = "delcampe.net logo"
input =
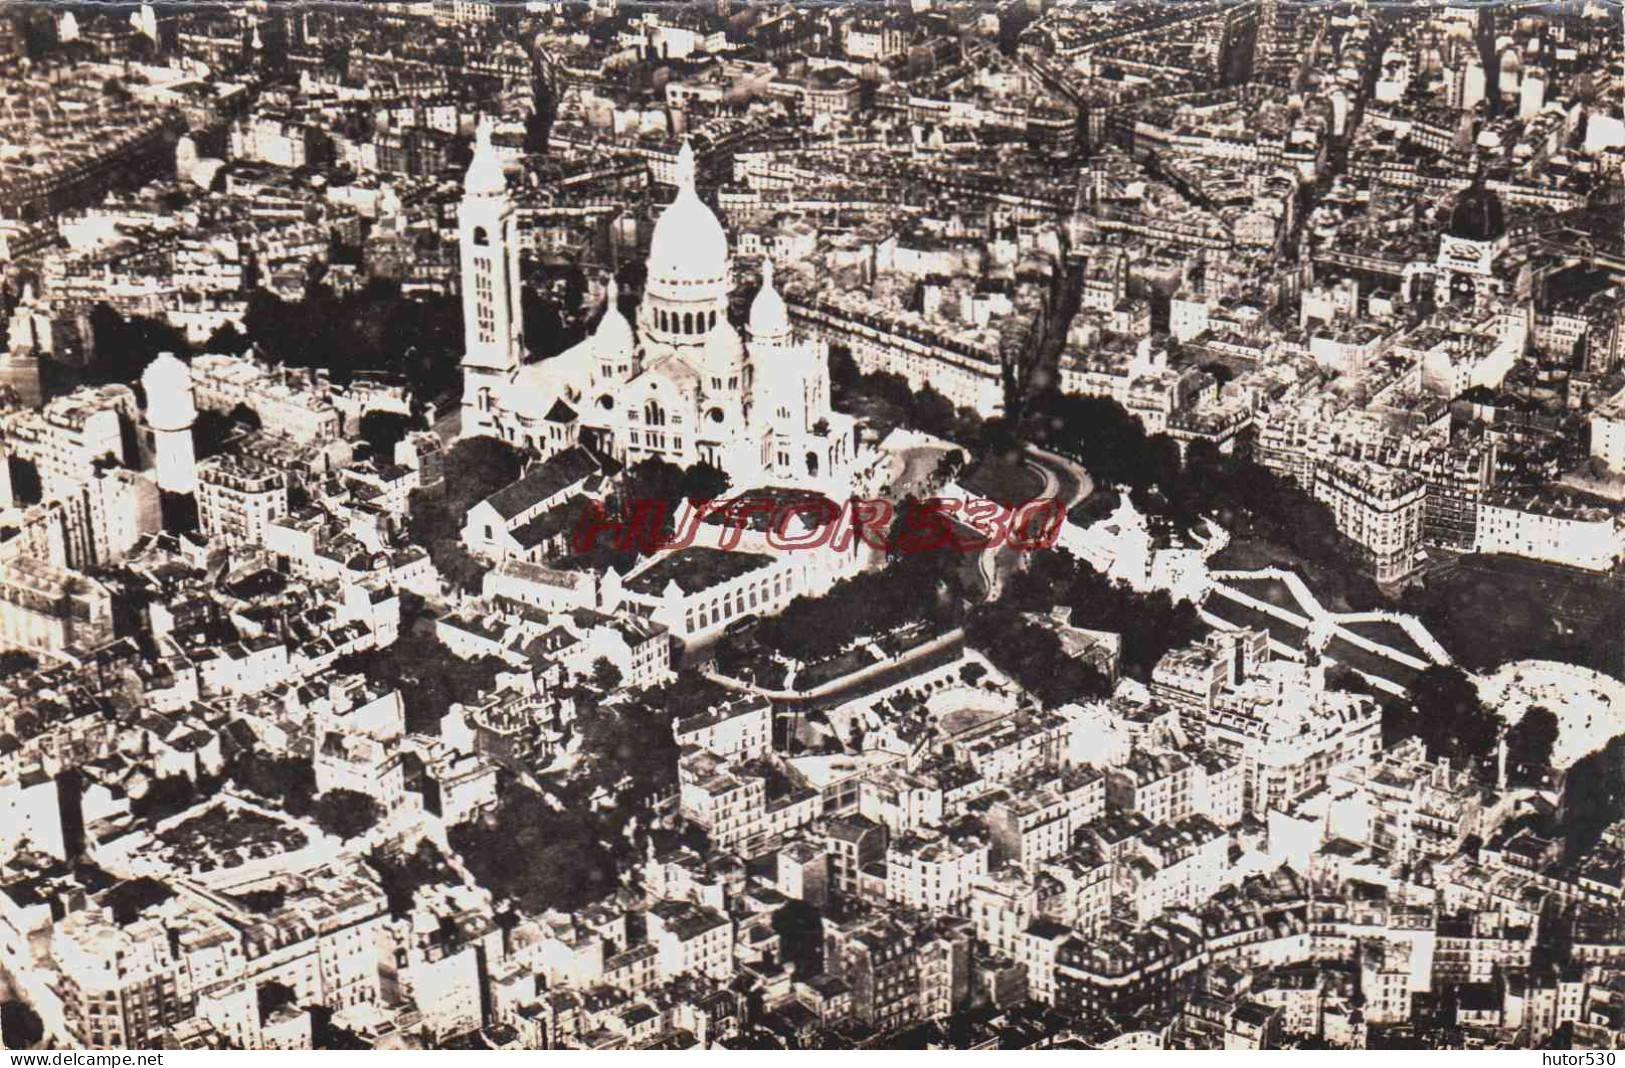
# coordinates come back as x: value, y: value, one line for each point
x: 805, y: 523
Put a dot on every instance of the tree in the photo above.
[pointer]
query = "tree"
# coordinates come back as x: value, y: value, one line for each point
x: 1531, y: 739
x: 273, y: 995
x: 124, y: 347
x: 537, y: 855
x: 228, y: 340
x: 402, y: 874
x: 286, y: 780
x: 15, y: 662
x: 972, y: 673
x: 1593, y: 797
x: 345, y: 814
x: 382, y: 430
x: 704, y: 482
x: 210, y: 433
x: 21, y: 1025
x: 1451, y: 719
x: 482, y: 466
x: 605, y: 675
x: 164, y: 797
x: 1220, y: 372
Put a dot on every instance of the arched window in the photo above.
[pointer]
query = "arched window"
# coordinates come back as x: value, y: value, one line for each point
x: 654, y: 414
x: 812, y: 464
x: 480, y: 236
x: 688, y: 322
x: 660, y: 320
x: 713, y: 319
x: 715, y: 415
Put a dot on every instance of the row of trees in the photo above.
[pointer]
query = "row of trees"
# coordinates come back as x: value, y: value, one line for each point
x: 924, y: 409
x: 1032, y: 655
x: 377, y: 328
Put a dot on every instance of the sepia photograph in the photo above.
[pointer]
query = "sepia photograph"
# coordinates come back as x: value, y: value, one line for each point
x: 801, y: 525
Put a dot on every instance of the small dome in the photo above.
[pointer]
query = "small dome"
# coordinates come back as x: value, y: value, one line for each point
x: 769, y: 318
x: 689, y: 243
x: 485, y: 175
x: 724, y: 350
x: 614, y: 334
x: 1477, y: 215
x: 167, y: 382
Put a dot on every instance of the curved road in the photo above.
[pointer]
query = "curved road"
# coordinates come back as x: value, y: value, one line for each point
x: 1062, y: 479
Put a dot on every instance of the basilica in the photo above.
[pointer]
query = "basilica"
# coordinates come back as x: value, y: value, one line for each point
x: 681, y: 385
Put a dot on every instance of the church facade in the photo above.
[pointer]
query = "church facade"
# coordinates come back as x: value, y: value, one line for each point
x: 682, y: 384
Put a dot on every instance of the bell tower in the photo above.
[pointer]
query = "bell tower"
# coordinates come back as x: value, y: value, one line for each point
x: 493, y: 341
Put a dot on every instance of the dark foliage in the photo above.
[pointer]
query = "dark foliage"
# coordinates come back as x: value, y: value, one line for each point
x: 1248, y: 500
x: 1448, y: 716
x: 383, y: 430
x: 288, y: 781
x: 15, y: 662
x: 123, y: 347
x: 130, y: 898
x: 1151, y: 623
x: 475, y: 469
x: 1032, y: 655
x: 533, y: 854
x: 263, y: 901
x: 401, y: 874
x: 375, y: 329
x: 1593, y: 797
x: 165, y: 797
x: 272, y: 996
x: 324, y: 1034
x: 605, y: 675
x: 345, y: 814
x: 914, y: 587
x: 801, y: 936
x: 21, y: 1025
x: 1531, y: 739
x: 652, y: 480
x: 429, y: 678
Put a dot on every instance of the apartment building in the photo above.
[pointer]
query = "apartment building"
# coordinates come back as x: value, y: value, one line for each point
x: 933, y: 872
x: 238, y: 498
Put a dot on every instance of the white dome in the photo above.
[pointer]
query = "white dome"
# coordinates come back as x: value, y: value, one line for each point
x: 724, y: 350
x: 485, y: 175
x: 689, y: 243
x: 167, y: 383
x: 769, y: 318
x: 614, y: 334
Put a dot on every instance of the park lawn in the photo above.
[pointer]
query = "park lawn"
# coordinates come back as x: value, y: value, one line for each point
x: 1271, y: 591
x: 1337, y: 590
x: 1005, y: 479
x: 1347, y: 653
x: 1388, y: 633
x: 1487, y: 610
x: 1238, y: 614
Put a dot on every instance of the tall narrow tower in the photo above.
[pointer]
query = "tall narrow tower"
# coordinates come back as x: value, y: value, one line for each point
x: 492, y: 332
x: 170, y: 414
x: 493, y: 337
